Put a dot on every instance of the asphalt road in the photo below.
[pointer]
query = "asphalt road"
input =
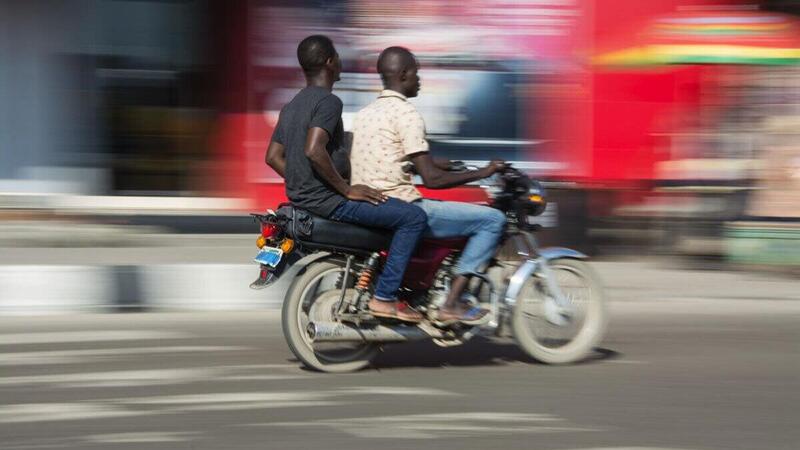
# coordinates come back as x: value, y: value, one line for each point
x: 679, y: 374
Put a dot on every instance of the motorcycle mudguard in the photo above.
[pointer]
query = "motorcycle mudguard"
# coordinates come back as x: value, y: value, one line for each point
x: 298, y: 265
x: 549, y: 253
x: 527, y: 269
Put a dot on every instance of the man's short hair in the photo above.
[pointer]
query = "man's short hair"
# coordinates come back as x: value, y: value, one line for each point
x: 389, y: 61
x: 313, y: 52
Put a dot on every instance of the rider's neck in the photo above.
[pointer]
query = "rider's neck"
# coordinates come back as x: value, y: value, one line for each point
x: 323, y: 80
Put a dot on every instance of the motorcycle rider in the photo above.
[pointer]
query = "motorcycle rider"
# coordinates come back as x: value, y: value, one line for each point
x: 305, y: 149
x: 389, y: 134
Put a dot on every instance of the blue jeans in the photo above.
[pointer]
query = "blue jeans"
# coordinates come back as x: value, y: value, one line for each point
x: 482, y: 224
x: 408, y: 223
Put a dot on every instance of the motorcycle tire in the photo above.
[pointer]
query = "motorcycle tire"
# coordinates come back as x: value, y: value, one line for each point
x: 296, y: 335
x: 589, y: 333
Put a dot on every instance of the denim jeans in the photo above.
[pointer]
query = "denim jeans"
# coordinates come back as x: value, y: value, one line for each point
x: 482, y: 224
x: 408, y: 223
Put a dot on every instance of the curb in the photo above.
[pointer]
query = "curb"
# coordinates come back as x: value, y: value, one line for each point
x: 28, y: 289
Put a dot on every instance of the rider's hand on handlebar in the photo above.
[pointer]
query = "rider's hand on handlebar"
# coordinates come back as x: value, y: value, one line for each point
x: 497, y: 165
x: 362, y: 193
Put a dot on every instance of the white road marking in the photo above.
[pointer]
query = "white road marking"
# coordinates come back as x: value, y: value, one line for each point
x: 84, y: 356
x: 253, y: 405
x: 225, y: 401
x: 392, y: 390
x: 110, y: 409
x: 433, y: 426
x: 32, y: 446
x: 63, y: 337
x: 266, y: 377
x: 43, y: 412
x: 115, y: 378
x: 142, y: 437
x: 124, y: 378
x: 266, y: 397
x: 226, y: 397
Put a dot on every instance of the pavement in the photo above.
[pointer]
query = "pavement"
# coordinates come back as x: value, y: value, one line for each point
x: 685, y: 373
x: 213, y: 272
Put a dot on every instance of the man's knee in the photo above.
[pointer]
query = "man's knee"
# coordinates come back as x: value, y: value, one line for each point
x: 495, y: 219
x: 417, y: 218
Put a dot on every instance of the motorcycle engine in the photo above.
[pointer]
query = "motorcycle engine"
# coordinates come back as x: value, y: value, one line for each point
x: 437, y: 294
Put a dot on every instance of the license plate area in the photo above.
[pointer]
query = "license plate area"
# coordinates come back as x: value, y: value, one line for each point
x: 269, y: 256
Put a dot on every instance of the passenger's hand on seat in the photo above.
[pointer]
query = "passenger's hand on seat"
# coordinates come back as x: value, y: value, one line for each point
x: 362, y: 193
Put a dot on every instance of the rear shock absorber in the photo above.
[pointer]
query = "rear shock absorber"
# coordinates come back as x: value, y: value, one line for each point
x: 367, y: 272
x: 365, y: 279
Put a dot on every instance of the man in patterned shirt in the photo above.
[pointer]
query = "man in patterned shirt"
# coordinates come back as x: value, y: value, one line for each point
x: 388, y: 135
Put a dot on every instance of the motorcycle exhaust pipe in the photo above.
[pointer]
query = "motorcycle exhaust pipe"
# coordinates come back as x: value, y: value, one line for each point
x: 344, y: 332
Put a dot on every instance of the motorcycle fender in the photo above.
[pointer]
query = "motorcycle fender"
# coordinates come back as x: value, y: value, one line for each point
x: 297, y: 266
x: 550, y: 253
x: 528, y: 268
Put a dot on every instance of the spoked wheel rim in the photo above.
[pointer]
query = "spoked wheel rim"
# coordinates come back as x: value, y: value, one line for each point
x: 580, y: 293
x: 318, y: 302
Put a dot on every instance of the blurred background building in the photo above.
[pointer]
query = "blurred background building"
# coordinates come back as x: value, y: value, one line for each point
x: 668, y: 124
x: 104, y: 97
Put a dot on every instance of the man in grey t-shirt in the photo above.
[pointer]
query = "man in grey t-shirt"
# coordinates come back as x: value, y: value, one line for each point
x: 305, y: 143
x: 313, y: 107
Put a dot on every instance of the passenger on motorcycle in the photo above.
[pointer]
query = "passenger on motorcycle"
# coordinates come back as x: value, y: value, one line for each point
x: 306, y: 150
x: 388, y: 135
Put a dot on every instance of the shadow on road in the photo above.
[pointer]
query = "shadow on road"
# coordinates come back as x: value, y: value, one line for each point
x: 478, y: 352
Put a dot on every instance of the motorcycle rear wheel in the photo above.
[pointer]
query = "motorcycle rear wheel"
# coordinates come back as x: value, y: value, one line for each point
x: 549, y: 343
x: 310, y: 298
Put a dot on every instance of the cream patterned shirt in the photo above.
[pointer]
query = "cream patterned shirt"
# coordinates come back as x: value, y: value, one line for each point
x: 385, y: 133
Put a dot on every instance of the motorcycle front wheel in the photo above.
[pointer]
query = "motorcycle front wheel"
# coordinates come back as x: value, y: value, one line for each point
x: 585, y: 326
x: 313, y: 298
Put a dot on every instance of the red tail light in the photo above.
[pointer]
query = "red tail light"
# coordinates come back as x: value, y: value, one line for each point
x: 269, y: 230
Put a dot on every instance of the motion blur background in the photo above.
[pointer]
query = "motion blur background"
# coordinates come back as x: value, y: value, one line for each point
x: 665, y: 127
x: 132, y: 141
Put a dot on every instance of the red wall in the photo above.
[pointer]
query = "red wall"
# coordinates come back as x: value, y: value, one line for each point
x: 633, y: 109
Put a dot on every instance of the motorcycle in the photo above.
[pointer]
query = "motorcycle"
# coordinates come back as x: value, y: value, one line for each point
x: 548, y: 299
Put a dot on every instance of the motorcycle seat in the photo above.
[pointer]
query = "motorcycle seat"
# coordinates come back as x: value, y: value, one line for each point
x: 316, y: 231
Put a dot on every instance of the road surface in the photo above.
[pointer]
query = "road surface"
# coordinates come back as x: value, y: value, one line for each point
x: 691, y: 373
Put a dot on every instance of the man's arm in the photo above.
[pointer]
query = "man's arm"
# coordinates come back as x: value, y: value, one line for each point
x: 316, y: 141
x: 315, y: 150
x: 434, y: 171
x: 441, y: 163
x: 435, y: 178
x: 276, y: 158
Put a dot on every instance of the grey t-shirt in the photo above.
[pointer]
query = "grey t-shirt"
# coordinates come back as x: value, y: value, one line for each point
x: 312, y: 107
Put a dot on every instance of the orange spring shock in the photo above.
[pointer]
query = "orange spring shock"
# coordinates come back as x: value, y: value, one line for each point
x: 365, y: 278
